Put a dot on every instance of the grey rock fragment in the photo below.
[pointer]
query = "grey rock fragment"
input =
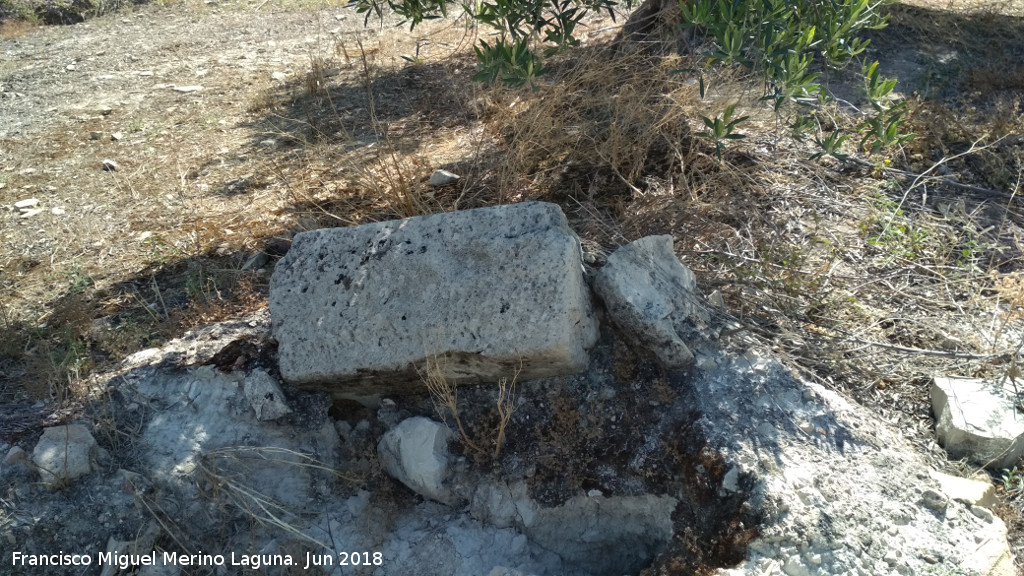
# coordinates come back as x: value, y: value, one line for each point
x: 16, y: 462
x: 652, y: 298
x: 934, y: 500
x: 64, y: 453
x: 265, y: 396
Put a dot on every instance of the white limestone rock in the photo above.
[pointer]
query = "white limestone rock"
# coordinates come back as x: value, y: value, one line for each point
x: 416, y: 454
x: 973, y: 492
x: 977, y: 419
x: 443, y: 178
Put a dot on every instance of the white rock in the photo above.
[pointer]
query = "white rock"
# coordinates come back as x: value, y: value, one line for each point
x: 977, y: 419
x: 794, y: 567
x: 187, y: 89
x: 26, y: 203
x: 416, y: 454
x: 58, y: 211
x: 109, y: 165
x: 205, y: 417
x: 30, y: 213
x: 64, y: 453
x: 442, y: 178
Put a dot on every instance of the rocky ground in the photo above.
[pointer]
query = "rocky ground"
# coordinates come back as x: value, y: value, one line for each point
x: 156, y: 161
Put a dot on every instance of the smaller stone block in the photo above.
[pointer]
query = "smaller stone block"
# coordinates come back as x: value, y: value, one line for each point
x: 652, y: 298
x: 977, y: 419
x: 64, y: 453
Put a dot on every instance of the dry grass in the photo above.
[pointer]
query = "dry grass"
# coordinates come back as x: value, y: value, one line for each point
x: 444, y: 393
x: 10, y: 29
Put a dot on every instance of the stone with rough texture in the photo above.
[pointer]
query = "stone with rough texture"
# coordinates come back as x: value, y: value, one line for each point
x: 976, y: 419
x: 992, y: 555
x: 652, y: 298
x: 973, y: 492
x: 265, y: 396
x: 64, y: 453
x: 416, y: 454
x: 490, y: 291
x: 620, y: 534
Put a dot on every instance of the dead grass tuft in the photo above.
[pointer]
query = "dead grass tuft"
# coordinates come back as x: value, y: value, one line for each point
x: 627, y: 117
x: 16, y: 28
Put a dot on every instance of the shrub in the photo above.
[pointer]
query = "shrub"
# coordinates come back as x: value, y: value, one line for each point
x: 788, y: 43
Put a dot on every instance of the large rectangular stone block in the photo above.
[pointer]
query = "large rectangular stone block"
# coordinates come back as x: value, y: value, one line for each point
x: 358, y: 310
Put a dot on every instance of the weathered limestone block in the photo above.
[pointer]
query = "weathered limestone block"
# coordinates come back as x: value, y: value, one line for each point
x: 652, y: 298
x: 977, y: 419
x: 358, y: 311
